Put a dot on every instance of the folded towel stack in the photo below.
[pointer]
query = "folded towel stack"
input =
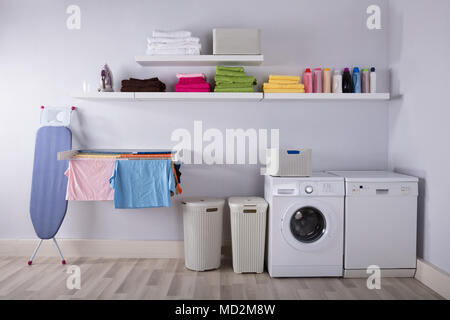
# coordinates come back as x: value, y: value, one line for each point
x: 281, y: 84
x: 194, y: 82
x: 146, y: 85
x: 173, y: 43
x: 233, y: 79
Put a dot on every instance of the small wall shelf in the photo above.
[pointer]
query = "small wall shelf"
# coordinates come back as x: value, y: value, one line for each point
x: 123, y: 96
x: 326, y: 96
x: 199, y: 60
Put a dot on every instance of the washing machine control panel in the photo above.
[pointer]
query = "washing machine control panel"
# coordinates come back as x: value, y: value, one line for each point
x: 321, y: 188
x: 382, y: 189
x: 308, y: 188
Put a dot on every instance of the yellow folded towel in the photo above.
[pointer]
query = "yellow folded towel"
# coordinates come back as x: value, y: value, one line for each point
x: 279, y: 77
x: 283, y: 90
x: 283, y: 86
x: 283, y: 81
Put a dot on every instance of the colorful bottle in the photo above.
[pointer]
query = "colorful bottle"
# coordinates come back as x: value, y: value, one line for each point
x: 326, y: 83
x: 347, y: 82
x: 307, y: 81
x: 365, y: 81
x: 337, y: 81
x: 356, y: 80
x: 373, y: 81
x: 317, y: 87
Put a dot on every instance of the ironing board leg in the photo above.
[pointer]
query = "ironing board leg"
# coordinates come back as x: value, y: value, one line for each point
x: 59, y: 251
x: 34, y: 252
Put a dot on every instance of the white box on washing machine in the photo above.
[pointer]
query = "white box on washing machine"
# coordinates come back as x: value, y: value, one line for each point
x: 289, y: 162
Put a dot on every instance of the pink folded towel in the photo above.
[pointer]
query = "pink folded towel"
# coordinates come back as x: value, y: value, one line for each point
x: 196, y: 87
x: 193, y: 86
x: 191, y: 80
x: 191, y: 75
x: 192, y: 90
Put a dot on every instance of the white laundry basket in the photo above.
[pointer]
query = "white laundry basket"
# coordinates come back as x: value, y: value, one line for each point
x: 248, y: 232
x: 202, y: 219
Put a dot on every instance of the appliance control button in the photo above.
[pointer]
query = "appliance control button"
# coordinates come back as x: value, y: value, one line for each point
x: 309, y: 189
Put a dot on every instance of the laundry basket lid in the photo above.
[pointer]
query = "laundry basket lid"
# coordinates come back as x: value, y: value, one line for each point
x: 246, y: 201
x: 203, y: 202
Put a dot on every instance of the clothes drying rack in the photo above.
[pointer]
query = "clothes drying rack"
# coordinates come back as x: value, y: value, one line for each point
x: 118, y: 154
x: 125, y: 154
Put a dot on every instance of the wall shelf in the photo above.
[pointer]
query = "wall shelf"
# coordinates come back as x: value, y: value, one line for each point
x: 325, y: 96
x: 229, y: 96
x: 173, y: 96
x: 199, y: 60
x: 198, y: 96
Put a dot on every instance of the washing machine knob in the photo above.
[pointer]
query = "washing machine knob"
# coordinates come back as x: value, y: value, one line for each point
x: 309, y: 189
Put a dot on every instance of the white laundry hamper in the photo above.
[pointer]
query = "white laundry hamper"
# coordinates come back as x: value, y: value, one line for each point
x: 202, y: 220
x: 248, y: 233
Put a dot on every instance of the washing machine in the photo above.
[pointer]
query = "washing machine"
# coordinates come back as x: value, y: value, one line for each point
x: 305, y: 226
x: 380, y: 223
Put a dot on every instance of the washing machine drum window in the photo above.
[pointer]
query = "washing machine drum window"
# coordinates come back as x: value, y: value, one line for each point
x: 308, y: 224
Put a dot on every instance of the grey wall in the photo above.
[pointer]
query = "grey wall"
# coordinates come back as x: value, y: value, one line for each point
x: 42, y: 63
x: 418, y: 117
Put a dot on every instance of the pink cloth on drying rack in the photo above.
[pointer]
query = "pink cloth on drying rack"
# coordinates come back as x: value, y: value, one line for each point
x: 89, y: 180
x: 191, y: 75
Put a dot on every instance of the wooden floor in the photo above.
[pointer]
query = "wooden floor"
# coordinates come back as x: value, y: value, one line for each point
x: 169, y: 279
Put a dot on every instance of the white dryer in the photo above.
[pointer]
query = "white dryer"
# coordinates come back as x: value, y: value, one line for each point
x: 305, y: 226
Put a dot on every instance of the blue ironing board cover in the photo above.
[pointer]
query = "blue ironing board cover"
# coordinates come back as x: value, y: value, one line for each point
x: 48, y: 204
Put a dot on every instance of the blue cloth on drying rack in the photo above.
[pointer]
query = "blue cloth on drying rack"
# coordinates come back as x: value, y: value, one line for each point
x: 142, y: 183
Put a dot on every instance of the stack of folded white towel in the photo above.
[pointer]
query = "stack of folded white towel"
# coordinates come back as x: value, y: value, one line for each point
x: 173, y: 42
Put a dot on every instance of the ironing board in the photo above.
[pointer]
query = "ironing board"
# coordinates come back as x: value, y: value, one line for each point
x: 48, y: 204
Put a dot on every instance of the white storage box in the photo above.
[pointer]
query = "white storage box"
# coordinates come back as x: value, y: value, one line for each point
x: 289, y: 162
x: 236, y: 41
x: 248, y: 233
x: 202, y: 220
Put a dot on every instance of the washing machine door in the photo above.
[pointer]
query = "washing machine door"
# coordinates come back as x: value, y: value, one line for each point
x: 309, y: 225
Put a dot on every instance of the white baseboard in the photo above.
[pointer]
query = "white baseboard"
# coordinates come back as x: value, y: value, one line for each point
x: 95, y: 248
x: 385, y: 273
x: 432, y: 277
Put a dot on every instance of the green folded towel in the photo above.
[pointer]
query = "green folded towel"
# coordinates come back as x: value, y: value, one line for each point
x: 235, y: 69
x: 230, y: 73
x: 232, y: 85
x: 242, y: 89
x: 227, y: 79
